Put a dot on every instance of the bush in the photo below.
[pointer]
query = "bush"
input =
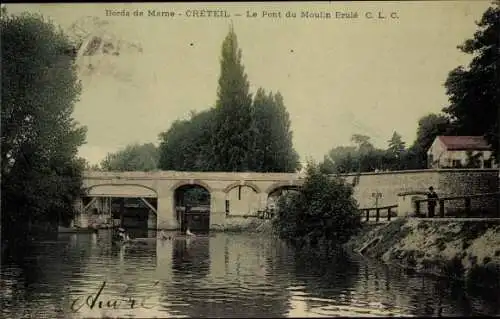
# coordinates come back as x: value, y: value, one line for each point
x: 324, y: 211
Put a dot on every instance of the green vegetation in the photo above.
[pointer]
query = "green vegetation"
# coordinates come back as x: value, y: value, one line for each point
x: 322, y: 212
x: 473, y: 110
x: 474, y: 92
x: 41, y: 174
x: 134, y: 157
x: 238, y: 134
x: 364, y: 157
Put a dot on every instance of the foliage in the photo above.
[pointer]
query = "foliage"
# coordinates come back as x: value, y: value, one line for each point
x: 41, y: 174
x: 272, y: 149
x: 134, y: 157
x: 238, y: 134
x: 186, y: 144
x: 363, y: 158
x: 231, y: 136
x: 366, y: 158
x: 429, y: 127
x: 323, y: 211
x: 474, y: 92
x: 396, y: 145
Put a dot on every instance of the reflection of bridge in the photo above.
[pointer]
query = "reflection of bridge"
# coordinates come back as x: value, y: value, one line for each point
x: 243, y: 192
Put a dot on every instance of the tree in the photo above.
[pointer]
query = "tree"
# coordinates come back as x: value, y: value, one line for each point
x: 41, y: 174
x: 395, y: 154
x: 323, y: 211
x: 363, y: 142
x: 396, y: 145
x: 474, y: 92
x: 186, y: 146
x: 238, y: 134
x: 350, y: 159
x: 133, y: 157
x: 231, y: 139
x: 340, y: 159
x: 272, y: 146
x: 429, y: 126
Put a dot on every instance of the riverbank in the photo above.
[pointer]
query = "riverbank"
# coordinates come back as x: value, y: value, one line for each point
x: 461, y: 249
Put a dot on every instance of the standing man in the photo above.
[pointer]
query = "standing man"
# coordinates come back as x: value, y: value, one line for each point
x: 432, y: 200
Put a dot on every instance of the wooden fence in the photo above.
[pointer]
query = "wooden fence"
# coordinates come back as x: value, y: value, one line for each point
x: 440, y: 202
x: 365, y: 213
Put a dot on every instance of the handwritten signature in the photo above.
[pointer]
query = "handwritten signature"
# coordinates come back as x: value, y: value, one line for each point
x: 98, y: 302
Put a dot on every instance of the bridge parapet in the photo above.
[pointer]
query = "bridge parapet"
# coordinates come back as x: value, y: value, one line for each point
x: 176, y: 175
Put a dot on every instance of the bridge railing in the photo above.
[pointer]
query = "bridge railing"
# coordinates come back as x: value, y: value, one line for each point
x: 467, y: 210
x: 369, y: 213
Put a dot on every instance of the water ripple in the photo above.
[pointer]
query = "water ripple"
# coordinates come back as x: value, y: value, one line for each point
x: 222, y: 276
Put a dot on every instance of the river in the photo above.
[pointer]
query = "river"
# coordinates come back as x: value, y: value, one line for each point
x: 223, y: 275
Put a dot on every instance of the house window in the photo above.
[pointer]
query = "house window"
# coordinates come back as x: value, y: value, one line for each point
x: 456, y: 163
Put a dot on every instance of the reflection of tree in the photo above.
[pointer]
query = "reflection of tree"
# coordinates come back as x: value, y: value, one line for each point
x: 421, y: 294
x: 324, y: 275
x: 41, y: 271
x: 442, y: 297
x: 237, y: 290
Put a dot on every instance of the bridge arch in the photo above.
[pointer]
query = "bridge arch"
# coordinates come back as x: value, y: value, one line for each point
x: 276, y: 186
x: 193, y: 182
x: 244, y: 183
x: 120, y: 190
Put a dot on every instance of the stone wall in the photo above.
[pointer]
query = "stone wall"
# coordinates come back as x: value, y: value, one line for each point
x: 390, y: 184
x: 446, y: 182
x: 468, y: 182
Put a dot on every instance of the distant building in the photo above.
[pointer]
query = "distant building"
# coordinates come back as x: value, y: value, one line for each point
x: 459, y: 152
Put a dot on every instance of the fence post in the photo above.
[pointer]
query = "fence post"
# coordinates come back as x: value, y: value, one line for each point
x: 441, y: 208
x: 467, y: 206
x: 389, y: 214
x: 377, y: 215
x: 417, y: 208
x: 367, y: 215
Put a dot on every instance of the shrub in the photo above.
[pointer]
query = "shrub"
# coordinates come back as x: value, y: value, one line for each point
x: 323, y: 211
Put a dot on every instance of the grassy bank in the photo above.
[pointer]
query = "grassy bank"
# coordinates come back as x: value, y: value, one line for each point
x: 465, y: 250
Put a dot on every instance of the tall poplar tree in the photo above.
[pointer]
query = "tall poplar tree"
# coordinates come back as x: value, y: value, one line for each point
x: 231, y: 139
x: 285, y: 157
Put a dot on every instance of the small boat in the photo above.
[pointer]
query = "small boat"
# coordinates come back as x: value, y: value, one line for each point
x: 76, y: 230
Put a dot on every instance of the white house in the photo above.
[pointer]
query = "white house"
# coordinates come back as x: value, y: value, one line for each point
x: 456, y: 151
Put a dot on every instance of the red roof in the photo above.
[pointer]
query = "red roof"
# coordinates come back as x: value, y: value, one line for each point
x: 465, y: 143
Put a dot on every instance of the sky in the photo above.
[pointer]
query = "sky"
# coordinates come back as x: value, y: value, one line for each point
x: 338, y: 76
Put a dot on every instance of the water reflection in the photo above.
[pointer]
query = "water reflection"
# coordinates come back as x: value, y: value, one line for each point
x: 224, y: 275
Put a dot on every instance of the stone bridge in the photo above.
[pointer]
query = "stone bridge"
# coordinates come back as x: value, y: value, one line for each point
x: 245, y: 192
x: 249, y: 192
